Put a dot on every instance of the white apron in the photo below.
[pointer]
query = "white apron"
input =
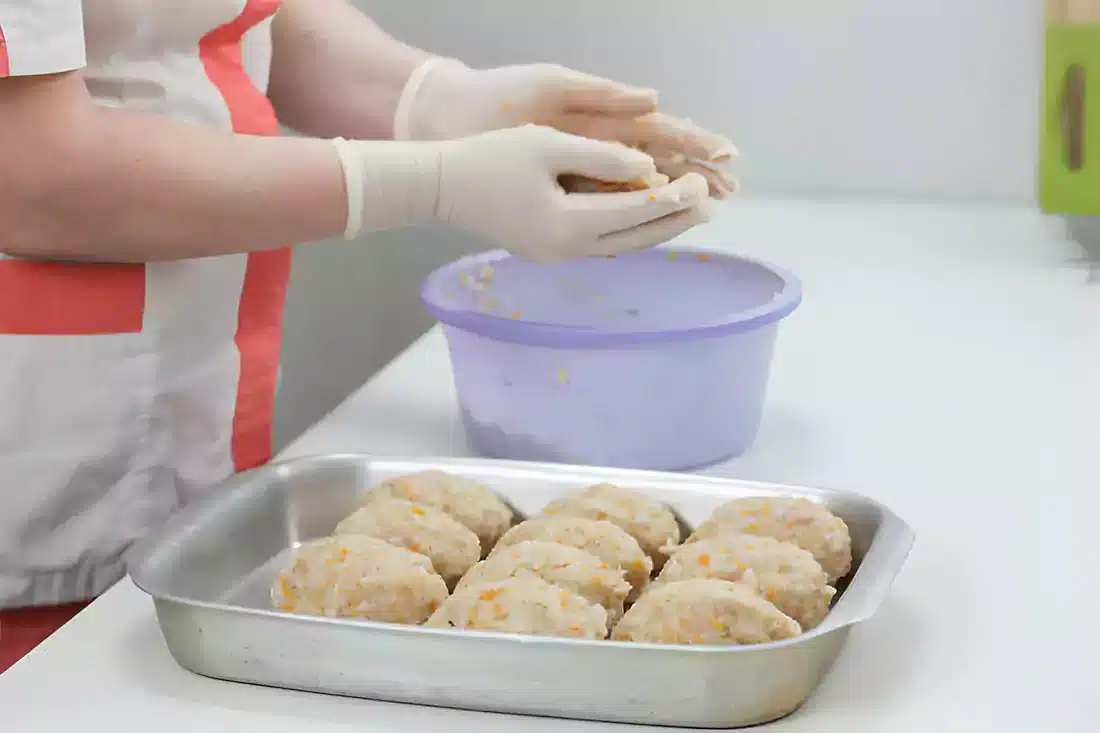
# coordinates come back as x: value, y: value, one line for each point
x: 127, y: 391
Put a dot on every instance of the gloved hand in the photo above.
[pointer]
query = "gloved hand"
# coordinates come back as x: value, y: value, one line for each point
x: 503, y: 186
x: 445, y: 99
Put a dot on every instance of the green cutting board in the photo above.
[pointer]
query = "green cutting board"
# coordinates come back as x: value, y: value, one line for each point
x: 1069, y: 153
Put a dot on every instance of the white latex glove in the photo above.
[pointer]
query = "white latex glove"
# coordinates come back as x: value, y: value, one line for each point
x: 503, y: 185
x: 444, y: 99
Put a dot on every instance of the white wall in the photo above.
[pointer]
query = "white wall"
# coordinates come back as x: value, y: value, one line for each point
x: 924, y: 98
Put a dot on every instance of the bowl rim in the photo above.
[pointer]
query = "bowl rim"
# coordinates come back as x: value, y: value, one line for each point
x: 500, y: 328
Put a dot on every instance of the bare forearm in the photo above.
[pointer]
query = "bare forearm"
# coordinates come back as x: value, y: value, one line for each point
x: 335, y: 73
x: 110, y: 185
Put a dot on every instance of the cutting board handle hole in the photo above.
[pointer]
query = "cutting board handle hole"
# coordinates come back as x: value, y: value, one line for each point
x: 1073, y: 116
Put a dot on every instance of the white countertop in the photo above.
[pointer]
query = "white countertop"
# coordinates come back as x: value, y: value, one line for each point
x: 945, y: 361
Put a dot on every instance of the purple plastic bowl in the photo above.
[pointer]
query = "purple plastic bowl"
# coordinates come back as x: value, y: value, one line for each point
x: 653, y: 360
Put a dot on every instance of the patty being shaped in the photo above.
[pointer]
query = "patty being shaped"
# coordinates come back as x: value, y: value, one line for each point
x: 471, y: 504
x: 579, y: 571
x: 704, y: 611
x: 359, y: 577
x: 650, y: 522
x: 522, y: 605
x: 573, y: 183
x: 796, y: 520
x: 782, y: 573
x: 452, y: 548
x: 605, y: 540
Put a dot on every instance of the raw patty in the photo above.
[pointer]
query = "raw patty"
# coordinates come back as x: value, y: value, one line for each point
x: 603, y: 539
x: 359, y: 577
x: 522, y: 605
x: 468, y: 502
x: 650, y: 522
x: 799, y: 521
x: 452, y: 548
x: 782, y: 573
x: 572, y: 568
x: 581, y: 184
x: 704, y: 611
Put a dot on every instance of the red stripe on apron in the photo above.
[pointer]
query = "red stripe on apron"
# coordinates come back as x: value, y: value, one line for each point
x: 54, y: 298
x: 260, y: 318
x: 5, y: 64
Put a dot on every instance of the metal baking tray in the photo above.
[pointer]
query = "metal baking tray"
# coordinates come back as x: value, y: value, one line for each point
x: 209, y: 572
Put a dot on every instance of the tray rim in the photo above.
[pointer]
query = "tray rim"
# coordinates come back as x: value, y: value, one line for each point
x: 140, y: 552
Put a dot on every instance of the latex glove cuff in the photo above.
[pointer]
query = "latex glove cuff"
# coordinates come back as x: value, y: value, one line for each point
x: 407, y: 122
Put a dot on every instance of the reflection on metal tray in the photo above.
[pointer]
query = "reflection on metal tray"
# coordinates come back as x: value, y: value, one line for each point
x: 210, y: 569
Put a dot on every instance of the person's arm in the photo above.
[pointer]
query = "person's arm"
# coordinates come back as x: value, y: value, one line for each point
x: 83, y: 182
x: 335, y: 73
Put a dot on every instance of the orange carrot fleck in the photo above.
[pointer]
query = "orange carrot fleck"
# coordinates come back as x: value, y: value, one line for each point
x: 704, y: 560
x: 488, y: 595
x: 418, y: 511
